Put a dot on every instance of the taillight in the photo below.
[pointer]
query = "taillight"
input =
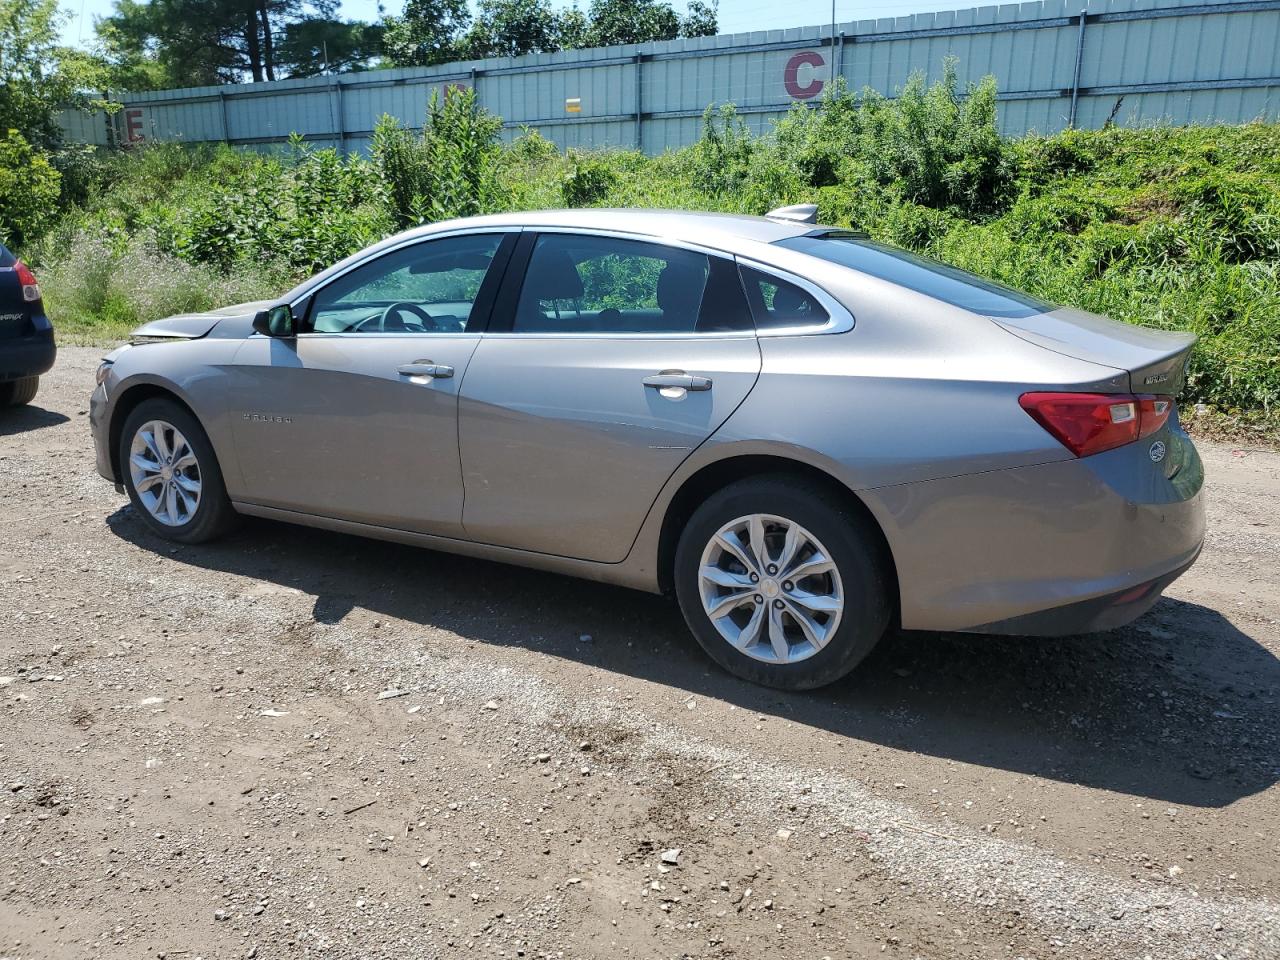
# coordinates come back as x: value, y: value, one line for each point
x: 1089, y: 423
x: 30, y: 289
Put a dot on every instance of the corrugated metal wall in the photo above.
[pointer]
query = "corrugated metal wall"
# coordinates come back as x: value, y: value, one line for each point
x: 1141, y: 61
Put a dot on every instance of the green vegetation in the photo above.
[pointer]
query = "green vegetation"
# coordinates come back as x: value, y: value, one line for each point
x: 1170, y: 228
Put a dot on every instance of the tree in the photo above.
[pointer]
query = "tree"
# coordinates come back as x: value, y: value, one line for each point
x: 700, y: 19
x: 641, y: 21
x: 322, y: 45
x: 631, y: 21
x: 437, y: 31
x: 198, y: 42
x: 428, y: 32
x: 39, y: 77
x: 509, y: 28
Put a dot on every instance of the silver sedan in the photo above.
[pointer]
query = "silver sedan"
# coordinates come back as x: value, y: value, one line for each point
x: 806, y: 436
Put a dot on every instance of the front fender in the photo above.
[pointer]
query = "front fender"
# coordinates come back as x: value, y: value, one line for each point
x: 191, y: 371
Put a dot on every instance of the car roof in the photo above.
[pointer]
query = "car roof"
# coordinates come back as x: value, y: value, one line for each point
x: 712, y: 229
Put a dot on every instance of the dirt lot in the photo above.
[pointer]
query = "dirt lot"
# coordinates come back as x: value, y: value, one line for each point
x: 298, y: 744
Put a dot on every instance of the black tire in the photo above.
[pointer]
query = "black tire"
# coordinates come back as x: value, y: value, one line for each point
x: 855, y: 547
x: 15, y: 393
x: 213, y: 515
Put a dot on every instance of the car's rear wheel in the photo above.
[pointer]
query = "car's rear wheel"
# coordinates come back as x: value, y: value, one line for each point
x: 781, y: 583
x: 171, y: 473
x: 14, y: 393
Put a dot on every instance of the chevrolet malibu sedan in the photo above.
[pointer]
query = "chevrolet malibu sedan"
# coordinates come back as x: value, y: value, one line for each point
x: 805, y: 436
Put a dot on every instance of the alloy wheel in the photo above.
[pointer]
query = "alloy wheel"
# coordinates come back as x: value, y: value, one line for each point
x: 770, y: 588
x: 165, y: 473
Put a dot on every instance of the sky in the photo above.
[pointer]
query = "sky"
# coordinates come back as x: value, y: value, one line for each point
x: 736, y: 16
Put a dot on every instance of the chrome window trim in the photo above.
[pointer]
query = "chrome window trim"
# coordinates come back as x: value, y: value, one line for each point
x: 621, y: 335
x: 839, y: 318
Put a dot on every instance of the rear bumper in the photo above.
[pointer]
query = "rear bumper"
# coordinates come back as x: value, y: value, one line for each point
x: 1058, y: 548
x: 1089, y: 616
x: 27, y: 356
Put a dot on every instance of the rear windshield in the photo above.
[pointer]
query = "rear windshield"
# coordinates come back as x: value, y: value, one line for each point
x: 7, y: 259
x: 948, y: 284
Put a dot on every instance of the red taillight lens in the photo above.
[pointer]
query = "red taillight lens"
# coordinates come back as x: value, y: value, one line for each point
x: 1154, y: 413
x: 1089, y: 423
x: 30, y: 289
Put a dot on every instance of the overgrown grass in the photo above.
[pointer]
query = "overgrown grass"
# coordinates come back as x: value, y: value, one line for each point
x: 1175, y: 228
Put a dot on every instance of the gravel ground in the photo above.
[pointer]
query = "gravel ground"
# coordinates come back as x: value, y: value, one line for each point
x: 298, y: 744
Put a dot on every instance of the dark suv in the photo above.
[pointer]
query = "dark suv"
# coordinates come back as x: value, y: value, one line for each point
x: 26, y: 335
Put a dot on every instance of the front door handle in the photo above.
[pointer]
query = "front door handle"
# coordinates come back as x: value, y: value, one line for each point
x: 425, y: 368
x: 677, y: 378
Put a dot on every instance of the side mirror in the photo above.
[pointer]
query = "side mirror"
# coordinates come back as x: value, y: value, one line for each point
x: 276, y: 321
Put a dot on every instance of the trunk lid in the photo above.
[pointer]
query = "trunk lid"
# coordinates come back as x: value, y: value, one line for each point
x: 1155, y: 360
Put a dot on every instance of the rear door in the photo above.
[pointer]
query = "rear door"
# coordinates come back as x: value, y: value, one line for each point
x: 609, y: 360
x: 356, y: 417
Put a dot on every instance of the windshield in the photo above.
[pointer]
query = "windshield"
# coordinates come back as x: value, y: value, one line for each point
x: 948, y: 284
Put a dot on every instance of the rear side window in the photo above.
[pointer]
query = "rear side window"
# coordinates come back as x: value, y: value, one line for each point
x: 593, y: 284
x: 778, y: 303
x: 948, y: 284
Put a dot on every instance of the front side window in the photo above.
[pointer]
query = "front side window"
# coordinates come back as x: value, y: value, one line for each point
x: 589, y: 284
x: 429, y: 287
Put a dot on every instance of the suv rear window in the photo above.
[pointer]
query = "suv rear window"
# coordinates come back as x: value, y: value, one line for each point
x: 7, y: 259
x: 938, y: 280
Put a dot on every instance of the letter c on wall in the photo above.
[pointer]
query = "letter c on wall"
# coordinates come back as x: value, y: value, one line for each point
x: 791, y: 75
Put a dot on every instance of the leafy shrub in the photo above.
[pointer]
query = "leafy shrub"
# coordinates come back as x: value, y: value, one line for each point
x: 938, y: 148
x: 29, y: 188
x: 448, y: 171
x: 720, y: 162
x: 588, y: 181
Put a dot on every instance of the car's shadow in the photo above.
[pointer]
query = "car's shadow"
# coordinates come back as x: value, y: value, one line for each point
x: 15, y: 420
x: 1178, y: 707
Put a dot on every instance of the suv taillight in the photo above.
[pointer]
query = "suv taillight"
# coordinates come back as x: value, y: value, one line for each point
x: 30, y: 288
x: 1089, y: 423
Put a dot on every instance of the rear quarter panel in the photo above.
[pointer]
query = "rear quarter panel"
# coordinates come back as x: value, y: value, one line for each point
x: 915, y: 391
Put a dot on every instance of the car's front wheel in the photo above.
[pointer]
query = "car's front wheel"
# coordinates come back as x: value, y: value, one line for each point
x: 782, y: 583
x: 171, y: 473
x: 15, y: 393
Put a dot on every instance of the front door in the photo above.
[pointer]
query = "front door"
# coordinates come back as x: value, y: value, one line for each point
x: 356, y: 417
x: 620, y: 357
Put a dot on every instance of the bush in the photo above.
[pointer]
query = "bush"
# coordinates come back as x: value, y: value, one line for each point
x: 29, y: 188
x: 588, y: 181
x: 448, y: 171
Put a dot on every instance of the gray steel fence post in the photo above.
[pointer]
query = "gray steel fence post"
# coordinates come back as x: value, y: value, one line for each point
x: 339, y: 120
x: 639, y: 103
x: 226, y: 126
x: 1075, y: 76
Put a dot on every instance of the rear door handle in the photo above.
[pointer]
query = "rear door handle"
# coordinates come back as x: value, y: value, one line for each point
x: 425, y: 368
x: 677, y: 378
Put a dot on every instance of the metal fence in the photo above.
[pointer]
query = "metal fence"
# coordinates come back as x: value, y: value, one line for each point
x: 1132, y: 61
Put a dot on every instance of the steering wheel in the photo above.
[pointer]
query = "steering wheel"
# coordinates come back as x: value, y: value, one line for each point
x: 428, y: 322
